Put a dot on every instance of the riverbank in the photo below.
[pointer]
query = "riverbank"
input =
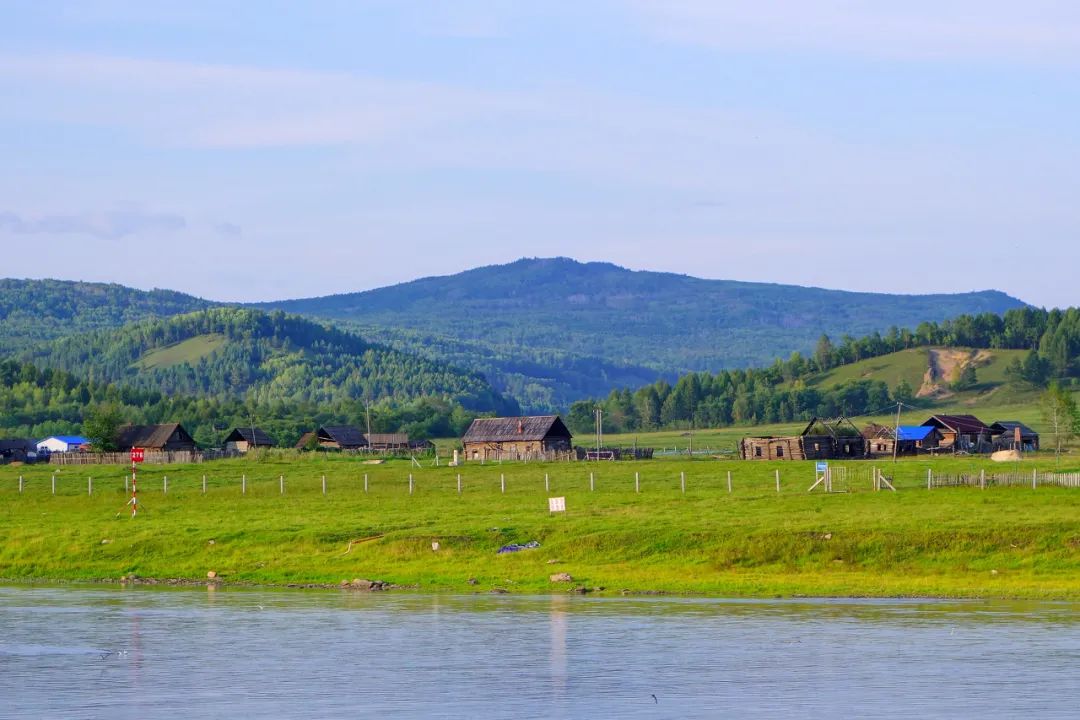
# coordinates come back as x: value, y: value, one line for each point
x: 1008, y: 542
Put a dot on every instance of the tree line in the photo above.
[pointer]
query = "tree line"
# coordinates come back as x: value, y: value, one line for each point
x: 783, y: 391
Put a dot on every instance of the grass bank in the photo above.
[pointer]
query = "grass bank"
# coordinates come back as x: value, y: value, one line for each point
x: 957, y: 542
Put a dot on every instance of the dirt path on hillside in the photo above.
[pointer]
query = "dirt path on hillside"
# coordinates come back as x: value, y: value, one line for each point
x: 943, y: 367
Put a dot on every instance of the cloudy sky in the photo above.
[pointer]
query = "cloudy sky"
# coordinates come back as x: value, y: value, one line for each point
x: 245, y: 151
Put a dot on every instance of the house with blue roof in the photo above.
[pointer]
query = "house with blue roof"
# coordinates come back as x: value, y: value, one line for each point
x: 908, y: 439
x: 62, y: 444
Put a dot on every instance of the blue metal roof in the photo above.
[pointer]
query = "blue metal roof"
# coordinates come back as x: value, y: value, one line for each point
x: 69, y: 439
x: 914, y: 432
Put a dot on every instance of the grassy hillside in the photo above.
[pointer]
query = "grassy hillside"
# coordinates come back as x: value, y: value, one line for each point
x: 1001, y: 542
x: 189, y: 351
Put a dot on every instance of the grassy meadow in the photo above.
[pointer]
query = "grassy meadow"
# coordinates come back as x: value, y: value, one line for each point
x: 753, y: 541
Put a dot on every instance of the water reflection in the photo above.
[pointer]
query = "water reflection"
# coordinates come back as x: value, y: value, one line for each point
x: 226, y: 652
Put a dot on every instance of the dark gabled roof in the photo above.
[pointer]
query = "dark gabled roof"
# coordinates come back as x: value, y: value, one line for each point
x: 835, y: 427
x: 959, y: 423
x: 148, y: 436
x: 536, y: 427
x: 12, y: 444
x: 387, y: 438
x: 343, y: 435
x: 253, y: 436
x: 1009, y: 426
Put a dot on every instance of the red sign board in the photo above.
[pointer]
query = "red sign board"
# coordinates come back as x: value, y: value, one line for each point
x: 137, y: 455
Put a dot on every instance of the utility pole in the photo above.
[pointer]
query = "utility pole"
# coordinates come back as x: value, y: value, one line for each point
x: 896, y: 432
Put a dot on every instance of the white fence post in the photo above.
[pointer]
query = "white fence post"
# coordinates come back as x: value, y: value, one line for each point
x: 410, y: 484
x: 592, y: 482
x: 547, y: 483
x: 502, y: 482
x: 637, y: 482
x: 89, y: 486
x: 365, y: 482
x: 164, y: 484
x: 729, y: 482
x: 777, y: 481
x: 203, y: 484
x: 459, y: 483
x: 243, y: 484
x: 982, y: 479
x: 1034, y: 478
x: 929, y: 477
x: 20, y: 483
x: 682, y: 481
x: 54, y: 484
x: 323, y: 484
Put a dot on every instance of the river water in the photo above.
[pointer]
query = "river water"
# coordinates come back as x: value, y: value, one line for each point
x: 146, y: 652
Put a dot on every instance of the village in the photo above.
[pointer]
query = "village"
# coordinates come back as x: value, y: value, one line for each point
x: 540, y: 438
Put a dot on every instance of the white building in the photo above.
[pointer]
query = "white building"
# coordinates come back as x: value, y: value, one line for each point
x: 62, y: 443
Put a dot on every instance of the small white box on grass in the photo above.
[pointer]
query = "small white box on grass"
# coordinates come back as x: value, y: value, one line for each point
x: 557, y: 504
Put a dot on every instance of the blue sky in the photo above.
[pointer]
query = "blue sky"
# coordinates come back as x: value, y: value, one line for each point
x: 267, y: 150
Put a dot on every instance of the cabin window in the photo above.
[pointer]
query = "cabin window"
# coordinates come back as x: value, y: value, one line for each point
x: 757, y: 451
x: 779, y: 451
x: 847, y: 449
x: 817, y: 447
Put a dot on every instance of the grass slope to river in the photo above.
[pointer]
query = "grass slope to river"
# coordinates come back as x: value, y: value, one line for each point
x: 960, y: 542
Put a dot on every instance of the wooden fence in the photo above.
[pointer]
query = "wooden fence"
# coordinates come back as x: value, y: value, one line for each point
x: 153, y: 457
x: 984, y: 479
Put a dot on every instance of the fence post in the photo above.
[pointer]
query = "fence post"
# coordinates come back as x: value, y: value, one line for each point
x: 365, y: 482
x: 164, y: 484
x: 778, y: 481
x: 876, y: 485
x: 1034, y: 478
x: 203, y: 484
x: 682, y: 481
x: 410, y: 483
x: 126, y: 482
x: 929, y: 477
x: 243, y: 484
x: 637, y: 482
x: 502, y: 482
x: 459, y: 483
x: 89, y: 486
x: 547, y: 483
x: 323, y: 484
x: 592, y: 483
x: 729, y: 482
x: 54, y: 484
x: 20, y: 483
x: 982, y: 479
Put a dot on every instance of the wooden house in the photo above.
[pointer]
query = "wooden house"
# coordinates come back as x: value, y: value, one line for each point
x: 387, y: 442
x: 907, y: 439
x: 822, y: 439
x: 168, y: 436
x: 242, y: 439
x: 516, y: 438
x: 334, y: 437
x: 1013, y: 435
x: 962, y: 433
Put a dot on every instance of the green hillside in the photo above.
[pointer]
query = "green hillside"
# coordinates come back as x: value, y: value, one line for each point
x: 36, y: 310
x: 265, y: 357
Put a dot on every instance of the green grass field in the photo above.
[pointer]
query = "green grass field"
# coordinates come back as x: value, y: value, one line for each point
x: 964, y: 542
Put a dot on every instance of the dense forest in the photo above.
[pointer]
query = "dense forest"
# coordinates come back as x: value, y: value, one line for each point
x: 263, y: 358
x: 37, y: 402
x: 784, y: 391
x: 36, y: 310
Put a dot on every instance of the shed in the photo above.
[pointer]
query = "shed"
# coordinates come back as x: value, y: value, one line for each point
x: 1013, y: 435
x: 516, y: 438
x: 965, y: 433
x: 242, y: 439
x: 62, y: 444
x: 168, y: 436
x: 821, y: 439
x: 334, y: 437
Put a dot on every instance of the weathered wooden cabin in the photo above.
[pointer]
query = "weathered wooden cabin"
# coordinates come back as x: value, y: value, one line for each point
x: 246, y: 438
x: 962, y: 433
x: 333, y: 437
x: 1013, y: 435
x: 907, y: 439
x: 518, y: 438
x: 17, y: 450
x: 168, y: 436
x: 387, y: 442
x: 822, y: 439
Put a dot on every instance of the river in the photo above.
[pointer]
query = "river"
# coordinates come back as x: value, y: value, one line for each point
x: 70, y: 652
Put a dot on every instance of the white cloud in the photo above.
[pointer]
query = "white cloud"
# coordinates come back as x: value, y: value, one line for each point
x: 1036, y: 31
x: 110, y: 225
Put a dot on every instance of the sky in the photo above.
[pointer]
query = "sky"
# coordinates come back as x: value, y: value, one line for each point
x: 257, y: 151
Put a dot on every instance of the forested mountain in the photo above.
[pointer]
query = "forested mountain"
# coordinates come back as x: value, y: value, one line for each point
x: 36, y: 310
x: 265, y: 358
x: 552, y: 330
x: 1033, y: 348
x: 546, y: 332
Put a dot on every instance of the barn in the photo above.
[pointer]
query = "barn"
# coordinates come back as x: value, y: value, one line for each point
x: 62, y: 443
x: 1014, y: 435
x: 169, y: 436
x: 962, y: 433
x: 520, y: 438
x: 243, y: 439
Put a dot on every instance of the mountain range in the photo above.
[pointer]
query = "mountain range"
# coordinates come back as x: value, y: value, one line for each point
x: 544, y: 332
